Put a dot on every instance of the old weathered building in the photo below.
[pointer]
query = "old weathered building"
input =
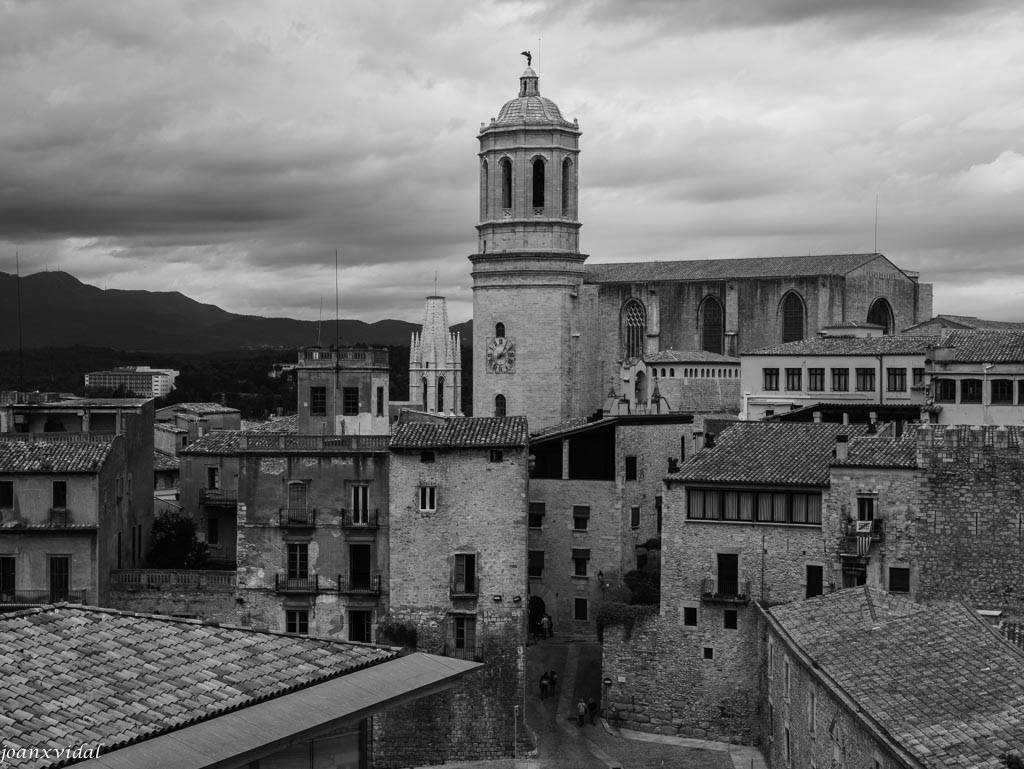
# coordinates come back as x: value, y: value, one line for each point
x: 552, y: 335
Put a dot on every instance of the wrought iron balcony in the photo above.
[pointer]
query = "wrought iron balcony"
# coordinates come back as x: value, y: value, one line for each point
x: 462, y: 587
x: 472, y: 654
x: 716, y: 591
x: 40, y: 597
x: 298, y: 517
x: 859, y: 537
x: 218, y: 497
x: 310, y: 583
x: 368, y: 584
x: 363, y: 519
x: 173, y: 579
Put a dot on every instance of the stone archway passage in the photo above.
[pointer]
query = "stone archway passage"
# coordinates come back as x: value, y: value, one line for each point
x: 537, y: 610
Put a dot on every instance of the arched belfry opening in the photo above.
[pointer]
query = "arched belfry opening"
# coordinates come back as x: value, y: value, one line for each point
x: 538, y: 186
x: 794, y: 318
x: 506, y: 185
x: 881, y: 314
x: 711, y: 323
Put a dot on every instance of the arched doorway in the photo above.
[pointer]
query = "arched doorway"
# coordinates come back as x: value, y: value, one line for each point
x: 537, y: 610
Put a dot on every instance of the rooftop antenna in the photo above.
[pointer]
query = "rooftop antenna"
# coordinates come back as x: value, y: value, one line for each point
x: 320, y: 322
x: 876, y: 222
x: 435, y: 282
x: 21, y: 348
x: 337, y: 311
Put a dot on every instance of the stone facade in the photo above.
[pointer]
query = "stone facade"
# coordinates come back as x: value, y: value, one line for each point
x: 458, y: 576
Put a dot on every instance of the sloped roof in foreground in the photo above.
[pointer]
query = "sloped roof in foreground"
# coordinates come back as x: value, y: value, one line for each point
x: 938, y: 680
x: 461, y: 432
x: 76, y: 675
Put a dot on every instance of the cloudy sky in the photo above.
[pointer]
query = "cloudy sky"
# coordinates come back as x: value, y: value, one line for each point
x: 226, y: 149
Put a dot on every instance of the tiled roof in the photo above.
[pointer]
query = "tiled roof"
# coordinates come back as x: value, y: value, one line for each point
x: 215, y: 442
x: 167, y: 427
x: 724, y: 269
x: 882, y: 451
x: 165, y: 462
x: 462, y: 432
x: 75, y: 675
x: 854, y: 324
x: 942, y: 683
x: 791, y: 453
x: 966, y: 322
x: 852, y: 345
x: 204, y: 408
x: 965, y: 434
x: 689, y: 356
x: 52, y: 457
x: 288, y: 425
x: 73, y: 403
x: 986, y: 346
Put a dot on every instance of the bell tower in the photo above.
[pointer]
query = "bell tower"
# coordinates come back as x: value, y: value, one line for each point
x: 528, y: 268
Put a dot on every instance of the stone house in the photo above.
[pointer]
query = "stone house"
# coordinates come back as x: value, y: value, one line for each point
x: 742, y: 523
x: 673, y: 381
x: 977, y: 378
x: 458, y: 516
x: 864, y: 678
x: 595, y: 505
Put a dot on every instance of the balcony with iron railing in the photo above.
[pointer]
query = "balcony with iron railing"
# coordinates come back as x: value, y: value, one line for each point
x: 172, y: 579
x: 26, y: 598
x: 717, y: 591
x: 297, y: 517
x: 859, y: 537
x: 218, y: 497
x: 343, y: 357
x: 462, y: 653
x: 361, y: 519
x: 284, y: 442
x: 368, y: 584
x: 309, y: 583
x: 465, y: 587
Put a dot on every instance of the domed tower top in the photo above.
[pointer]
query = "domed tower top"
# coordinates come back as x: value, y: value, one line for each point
x: 529, y: 107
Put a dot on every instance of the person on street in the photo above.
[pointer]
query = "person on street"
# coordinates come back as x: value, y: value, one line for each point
x: 544, y: 682
x: 581, y: 712
x: 592, y: 710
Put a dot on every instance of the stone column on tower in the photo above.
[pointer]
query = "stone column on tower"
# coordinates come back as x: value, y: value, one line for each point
x: 528, y: 268
x: 435, y: 362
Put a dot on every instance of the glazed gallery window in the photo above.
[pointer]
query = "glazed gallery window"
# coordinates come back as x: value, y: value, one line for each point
x: 970, y: 391
x: 350, y: 401
x: 793, y: 378
x: 318, y: 401
x: 896, y: 380
x: 945, y: 390
x: 865, y: 380
x: 1002, y: 391
x: 785, y: 507
x: 840, y: 380
x: 816, y: 379
x: 771, y: 379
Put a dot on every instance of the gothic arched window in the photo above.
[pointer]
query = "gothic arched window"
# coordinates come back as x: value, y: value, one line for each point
x: 499, y: 329
x: 566, y: 187
x: 499, y: 406
x: 538, y: 184
x: 792, y: 318
x: 506, y: 183
x: 711, y: 320
x: 424, y: 383
x: 881, y: 314
x: 440, y: 395
x: 634, y: 329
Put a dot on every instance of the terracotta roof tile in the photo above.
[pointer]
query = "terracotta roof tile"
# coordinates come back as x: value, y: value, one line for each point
x: 851, y: 345
x: 462, y: 432
x: 165, y: 462
x: 101, y: 676
x: 724, y: 269
x: 792, y: 453
x: 288, y: 425
x: 985, y: 346
x: 52, y: 456
x: 215, y: 442
x: 939, y: 680
x: 689, y: 356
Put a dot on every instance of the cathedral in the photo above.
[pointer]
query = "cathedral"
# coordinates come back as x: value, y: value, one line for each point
x: 555, y: 337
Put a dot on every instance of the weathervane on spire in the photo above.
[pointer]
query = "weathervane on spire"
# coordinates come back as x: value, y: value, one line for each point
x: 529, y: 58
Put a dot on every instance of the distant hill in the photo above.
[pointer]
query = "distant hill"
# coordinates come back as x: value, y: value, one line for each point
x: 58, y: 310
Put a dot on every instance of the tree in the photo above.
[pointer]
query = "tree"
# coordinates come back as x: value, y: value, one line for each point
x: 174, y: 544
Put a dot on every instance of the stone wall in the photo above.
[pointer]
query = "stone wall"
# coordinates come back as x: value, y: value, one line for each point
x: 212, y: 606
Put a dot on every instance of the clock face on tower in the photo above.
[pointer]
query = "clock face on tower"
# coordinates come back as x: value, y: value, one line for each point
x: 501, y: 355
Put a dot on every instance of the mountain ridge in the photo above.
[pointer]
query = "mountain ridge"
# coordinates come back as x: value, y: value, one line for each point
x: 59, y: 310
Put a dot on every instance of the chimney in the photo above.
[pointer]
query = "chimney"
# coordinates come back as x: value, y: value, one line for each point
x: 842, y: 450
x: 872, y: 427
x: 846, y: 418
x: 673, y: 465
x: 817, y: 417
x: 1002, y: 438
x: 709, y: 441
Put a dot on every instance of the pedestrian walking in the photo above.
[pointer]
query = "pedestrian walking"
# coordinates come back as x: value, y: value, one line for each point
x: 581, y: 712
x: 592, y: 710
x: 545, y: 626
x: 552, y: 680
x: 550, y: 626
x: 544, y: 682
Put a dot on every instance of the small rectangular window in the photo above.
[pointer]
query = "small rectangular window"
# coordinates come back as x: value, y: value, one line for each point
x: 815, y: 578
x: 917, y: 377
x: 812, y: 712
x: 581, y: 610
x: 793, y: 379
x: 730, y: 619
x: 464, y: 577
x: 7, y: 577
x: 296, y: 621
x: 427, y: 457
x: 840, y: 380
x: 318, y: 401
x: 580, y: 517
x: 899, y: 580
x: 428, y: 499
x: 580, y: 562
x: 634, y: 517
x: 361, y: 503
x: 771, y: 379
x: 464, y: 633
x: 785, y: 677
x: 708, y: 653
x: 896, y: 380
x: 536, y: 563
x: 496, y: 455
x: 536, y: 514
x: 865, y: 380
x: 60, y: 495
x: 213, y: 478
x: 380, y: 401
x: 970, y: 391
x: 360, y: 625
x: 213, y: 531
x: 6, y: 495
x: 690, y: 616
x: 657, y: 510
x: 816, y: 379
x: 865, y: 508
x: 350, y: 401
x: 630, y: 468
